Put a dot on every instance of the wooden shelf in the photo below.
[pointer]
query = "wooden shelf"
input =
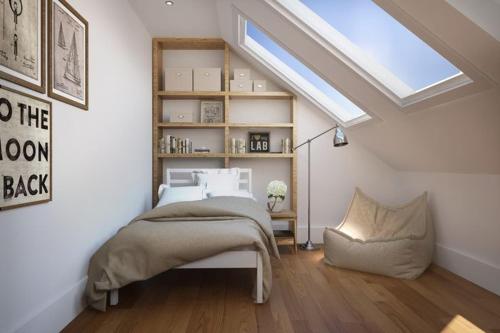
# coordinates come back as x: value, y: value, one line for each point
x: 191, y: 94
x: 261, y: 95
x: 223, y: 155
x: 190, y: 43
x: 191, y: 125
x: 221, y: 94
x: 261, y: 155
x: 266, y: 125
x: 222, y: 125
x: 193, y: 155
x: 283, y: 234
x: 285, y: 214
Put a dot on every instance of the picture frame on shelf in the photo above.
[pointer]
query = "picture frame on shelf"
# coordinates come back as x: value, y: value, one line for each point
x: 212, y: 112
x: 22, y: 46
x: 68, y: 55
x: 259, y: 142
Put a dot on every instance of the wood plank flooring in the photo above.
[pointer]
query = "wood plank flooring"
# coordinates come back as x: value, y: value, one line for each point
x: 307, y: 296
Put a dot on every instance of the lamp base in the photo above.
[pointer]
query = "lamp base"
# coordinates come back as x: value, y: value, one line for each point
x: 308, y: 246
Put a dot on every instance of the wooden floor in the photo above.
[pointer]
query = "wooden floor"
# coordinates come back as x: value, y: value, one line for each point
x: 307, y: 296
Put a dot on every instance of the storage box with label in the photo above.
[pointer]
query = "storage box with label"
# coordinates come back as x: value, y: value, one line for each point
x: 181, y: 116
x: 259, y: 85
x: 240, y: 85
x: 241, y: 74
x: 178, y: 79
x: 207, y: 79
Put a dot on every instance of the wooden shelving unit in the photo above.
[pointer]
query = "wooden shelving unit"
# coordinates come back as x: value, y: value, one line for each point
x: 286, y: 237
x: 161, y: 44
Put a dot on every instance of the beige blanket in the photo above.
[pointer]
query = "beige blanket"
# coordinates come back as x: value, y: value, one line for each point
x: 176, y: 234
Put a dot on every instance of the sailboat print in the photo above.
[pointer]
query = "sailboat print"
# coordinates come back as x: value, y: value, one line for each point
x: 61, y: 40
x: 72, y: 70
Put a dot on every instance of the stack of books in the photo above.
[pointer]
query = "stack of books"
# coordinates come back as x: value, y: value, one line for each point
x: 238, y: 146
x: 175, y: 145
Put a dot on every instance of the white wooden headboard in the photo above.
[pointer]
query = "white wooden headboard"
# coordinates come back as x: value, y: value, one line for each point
x: 183, y: 177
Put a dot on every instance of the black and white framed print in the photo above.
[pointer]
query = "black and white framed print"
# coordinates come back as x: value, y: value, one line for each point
x: 22, y: 43
x: 25, y: 149
x: 259, y: 142
x: 212, y: 112
x: 68, y: 54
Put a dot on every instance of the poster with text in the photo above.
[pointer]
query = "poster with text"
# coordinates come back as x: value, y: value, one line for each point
x: 25, y: 149
x: 22, y: 42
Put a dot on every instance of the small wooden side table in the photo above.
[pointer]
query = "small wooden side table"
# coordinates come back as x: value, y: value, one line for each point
x: 286, y: 237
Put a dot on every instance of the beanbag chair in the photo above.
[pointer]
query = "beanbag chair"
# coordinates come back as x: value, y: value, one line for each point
x: 397, y: 241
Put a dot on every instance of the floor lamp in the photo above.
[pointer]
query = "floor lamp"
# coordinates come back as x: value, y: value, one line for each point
x: 339, y: 140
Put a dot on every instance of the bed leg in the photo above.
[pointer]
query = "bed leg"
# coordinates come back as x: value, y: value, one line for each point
x: 259, y: 282
x: 113, y: 297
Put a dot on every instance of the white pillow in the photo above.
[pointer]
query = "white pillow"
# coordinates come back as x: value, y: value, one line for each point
x: 211, y: 182
x: 241, y: 194
x: 177, y: 194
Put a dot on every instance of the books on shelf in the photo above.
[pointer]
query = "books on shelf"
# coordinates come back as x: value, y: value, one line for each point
x: 238, y: 146
x: 285, y: 146
x: 175, y: 145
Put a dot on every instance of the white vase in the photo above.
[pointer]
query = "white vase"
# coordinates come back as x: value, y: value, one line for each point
x: 275, y: 204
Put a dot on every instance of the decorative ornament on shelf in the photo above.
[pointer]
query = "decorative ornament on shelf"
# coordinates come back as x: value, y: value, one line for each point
x: 276, y: 192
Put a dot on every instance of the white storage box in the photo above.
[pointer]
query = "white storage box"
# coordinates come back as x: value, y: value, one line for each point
x: 241, y: 74
x: 178, y: 79
x: 240, y: 85
x: 207, y: 79
x: 181, y: 116
x: 259, y: 85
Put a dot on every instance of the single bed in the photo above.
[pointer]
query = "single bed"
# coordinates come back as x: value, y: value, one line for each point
x: 232, y: 217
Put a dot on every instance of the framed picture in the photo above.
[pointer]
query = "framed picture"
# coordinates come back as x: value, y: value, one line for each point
x: 259, y: 142
x: 25, y: 149
x: 68, y: 55
x: 212, y: 112
x: 22, y: 43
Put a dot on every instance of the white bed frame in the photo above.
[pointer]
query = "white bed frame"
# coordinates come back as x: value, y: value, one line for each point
x: 229, y: 259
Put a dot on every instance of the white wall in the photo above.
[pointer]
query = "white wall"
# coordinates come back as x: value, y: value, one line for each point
x: 335, y: 172
x: 466, y: 213
x: 101, y: 177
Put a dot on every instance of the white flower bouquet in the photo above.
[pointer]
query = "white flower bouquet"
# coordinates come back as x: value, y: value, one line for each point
x: 276, y: 192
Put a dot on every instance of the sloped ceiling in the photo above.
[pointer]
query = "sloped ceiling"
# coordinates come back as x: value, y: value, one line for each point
x: 187, y: 18
x: 485, y: 13
x: 461, y: 135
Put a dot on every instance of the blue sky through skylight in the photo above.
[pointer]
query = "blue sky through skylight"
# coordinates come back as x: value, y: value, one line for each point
x: 304, y: 71
x: 385, y: 40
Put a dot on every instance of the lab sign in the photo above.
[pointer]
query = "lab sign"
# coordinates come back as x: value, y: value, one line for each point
x: 25, y: 149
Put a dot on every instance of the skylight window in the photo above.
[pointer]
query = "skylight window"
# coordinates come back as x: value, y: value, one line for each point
x: 299, y: 75
x: 377, y: 44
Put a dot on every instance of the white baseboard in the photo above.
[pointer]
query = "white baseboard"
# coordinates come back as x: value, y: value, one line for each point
x: 481, y: 273
x: 56, y: 313
x: 316, y: 234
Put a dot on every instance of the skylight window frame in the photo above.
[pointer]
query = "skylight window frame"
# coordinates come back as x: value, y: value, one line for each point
x: 294, y: 79
x: 342, y: 48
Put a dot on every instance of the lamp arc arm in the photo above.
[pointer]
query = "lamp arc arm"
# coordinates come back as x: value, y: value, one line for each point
x: 315, y: 137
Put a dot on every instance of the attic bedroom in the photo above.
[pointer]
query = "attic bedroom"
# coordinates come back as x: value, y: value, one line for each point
x: 249, y: 166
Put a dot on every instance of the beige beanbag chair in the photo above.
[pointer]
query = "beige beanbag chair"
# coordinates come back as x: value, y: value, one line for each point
x: 397, y: 242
